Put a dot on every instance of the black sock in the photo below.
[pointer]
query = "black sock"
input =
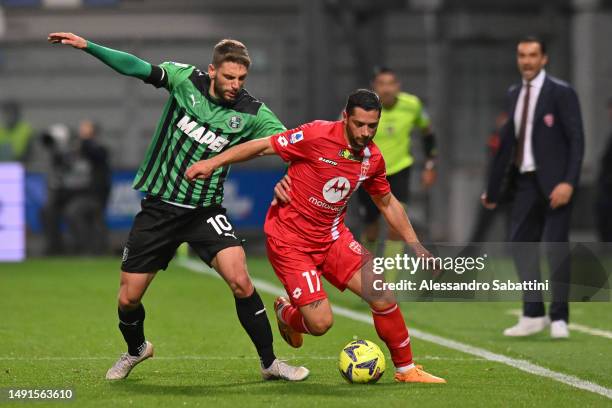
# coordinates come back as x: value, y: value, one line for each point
x: 131, y: 324
x: 252, y: 316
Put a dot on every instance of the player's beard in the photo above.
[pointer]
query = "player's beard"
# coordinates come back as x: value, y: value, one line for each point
x: 220, y: 94
x: 353, y: 141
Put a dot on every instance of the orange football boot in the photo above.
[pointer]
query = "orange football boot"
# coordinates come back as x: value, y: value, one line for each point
x: 417, y: 375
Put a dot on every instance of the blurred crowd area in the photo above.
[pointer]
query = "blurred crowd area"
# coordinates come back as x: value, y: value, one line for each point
x: 81, y: 129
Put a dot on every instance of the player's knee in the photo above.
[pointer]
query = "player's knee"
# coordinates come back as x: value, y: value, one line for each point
x: 320, y: 325
x: 128, y: 301
x: 380, y: 305
x: 241, y: 285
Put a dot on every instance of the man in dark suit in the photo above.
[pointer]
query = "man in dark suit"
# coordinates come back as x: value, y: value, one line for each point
x: 541, y: 154
x: 603, y: 202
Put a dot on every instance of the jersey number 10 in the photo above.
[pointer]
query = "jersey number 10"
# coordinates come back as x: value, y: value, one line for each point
x: 220, y: 223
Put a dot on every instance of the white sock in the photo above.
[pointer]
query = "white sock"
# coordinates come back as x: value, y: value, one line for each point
x: 279, y: 314
x: 404, y: 369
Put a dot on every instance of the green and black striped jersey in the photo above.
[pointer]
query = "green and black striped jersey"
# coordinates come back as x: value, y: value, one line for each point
x: 193, y: 127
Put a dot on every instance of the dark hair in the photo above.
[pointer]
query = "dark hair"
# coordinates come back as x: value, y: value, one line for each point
x: 364, y: 99
x: 535, y: 39
x: 380, y: 70
x: 232, y: 51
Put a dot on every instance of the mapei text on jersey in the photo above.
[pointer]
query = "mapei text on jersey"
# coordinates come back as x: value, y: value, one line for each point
x: 202, y: 134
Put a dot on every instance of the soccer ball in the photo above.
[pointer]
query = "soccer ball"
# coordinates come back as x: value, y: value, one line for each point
x: 361, y: 361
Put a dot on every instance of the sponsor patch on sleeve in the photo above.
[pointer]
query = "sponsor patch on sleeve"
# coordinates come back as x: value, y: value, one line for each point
x: 282, y: 140
x: 296, y: 137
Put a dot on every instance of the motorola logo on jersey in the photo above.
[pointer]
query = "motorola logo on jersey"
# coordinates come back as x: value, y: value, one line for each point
x: 336, y: 189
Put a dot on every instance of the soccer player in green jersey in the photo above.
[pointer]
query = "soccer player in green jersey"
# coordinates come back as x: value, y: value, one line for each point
x: 401, y: 113
x: 206, y: 112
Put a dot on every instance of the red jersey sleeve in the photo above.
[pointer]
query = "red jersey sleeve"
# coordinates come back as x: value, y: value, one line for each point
x: 377, y: 183
x: 292, y: 145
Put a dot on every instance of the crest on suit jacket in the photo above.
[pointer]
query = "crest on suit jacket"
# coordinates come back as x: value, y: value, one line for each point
x: 549, y: 120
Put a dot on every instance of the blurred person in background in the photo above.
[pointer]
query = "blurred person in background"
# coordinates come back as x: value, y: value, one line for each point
x: 541, y: 148
x: 85, y: 210
x: 78, y: 189
x: 56, y: 141
x: 15, y: 133
x: 401, y: 113
x: 604, y: 188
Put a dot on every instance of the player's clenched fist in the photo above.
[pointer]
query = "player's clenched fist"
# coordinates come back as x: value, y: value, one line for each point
x: 200, y: 170
x: 68, y: 39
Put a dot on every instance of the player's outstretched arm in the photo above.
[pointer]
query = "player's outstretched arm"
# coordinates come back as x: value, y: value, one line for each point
x: 242, y: 152
x: 122, y: 62
x: 396, y: 216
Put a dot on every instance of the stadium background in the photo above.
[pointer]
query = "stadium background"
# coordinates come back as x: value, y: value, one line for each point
x: 58, y: 315
x: 458, y: 56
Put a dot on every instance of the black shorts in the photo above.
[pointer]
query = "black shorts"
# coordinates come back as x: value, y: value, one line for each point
x: 400, y: 187
x: 159, y: 228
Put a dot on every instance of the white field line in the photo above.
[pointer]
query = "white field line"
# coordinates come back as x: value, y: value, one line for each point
x: 522, y: 365
x: 575, y: 326
x: 212, y: 358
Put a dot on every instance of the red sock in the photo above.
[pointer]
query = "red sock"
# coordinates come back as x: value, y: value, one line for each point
x: 291, y: 315
x: 392, y: 329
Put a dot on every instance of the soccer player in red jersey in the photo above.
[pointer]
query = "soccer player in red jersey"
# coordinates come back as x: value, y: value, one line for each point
x: 307, y: 237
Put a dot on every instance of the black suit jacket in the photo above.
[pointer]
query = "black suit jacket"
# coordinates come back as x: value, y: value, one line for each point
x: 557, y: 140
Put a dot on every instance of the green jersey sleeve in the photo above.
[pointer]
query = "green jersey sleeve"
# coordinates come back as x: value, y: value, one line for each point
x: 122, y: 62
x: 175, y: 73
x: 266, y: 124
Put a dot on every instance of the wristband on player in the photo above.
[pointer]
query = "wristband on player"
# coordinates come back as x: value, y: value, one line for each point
x: 429, y: 145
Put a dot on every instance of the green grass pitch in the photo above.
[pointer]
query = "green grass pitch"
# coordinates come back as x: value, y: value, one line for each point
x: 58, y: 329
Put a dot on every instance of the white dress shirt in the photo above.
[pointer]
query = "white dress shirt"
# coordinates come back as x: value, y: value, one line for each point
x: 528, y: 163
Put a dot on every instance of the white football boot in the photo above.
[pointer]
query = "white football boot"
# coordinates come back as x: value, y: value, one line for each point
x: 279, y: 370
x: 527, y: 326
x: 121, y: 369
x: 559, y: 329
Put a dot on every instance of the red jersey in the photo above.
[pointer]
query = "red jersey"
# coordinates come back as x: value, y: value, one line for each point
x: 324, y: 172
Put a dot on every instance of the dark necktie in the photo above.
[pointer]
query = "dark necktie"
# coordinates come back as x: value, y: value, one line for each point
x: 518, y: 160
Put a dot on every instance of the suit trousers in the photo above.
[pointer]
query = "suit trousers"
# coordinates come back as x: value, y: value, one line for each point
x: 533, y: 220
